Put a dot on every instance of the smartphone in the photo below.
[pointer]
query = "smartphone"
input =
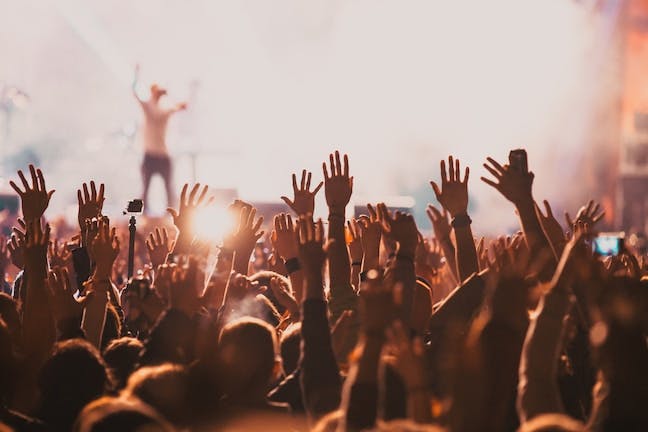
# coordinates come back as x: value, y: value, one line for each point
x: 609, y: 244
x: 518, y: 160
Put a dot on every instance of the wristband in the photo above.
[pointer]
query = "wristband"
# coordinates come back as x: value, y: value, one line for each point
x: 336, y: 215
x: 292, y: 265
x: 461, y: 221
x: 356, y: 263
x: 402, y: 257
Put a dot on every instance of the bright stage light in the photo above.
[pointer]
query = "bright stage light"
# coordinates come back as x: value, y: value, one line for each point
x: 212, y: 223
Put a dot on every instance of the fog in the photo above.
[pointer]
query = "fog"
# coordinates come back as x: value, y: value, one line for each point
x: 273, y: 87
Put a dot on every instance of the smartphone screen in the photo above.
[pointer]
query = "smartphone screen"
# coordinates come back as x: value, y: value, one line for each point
x: 608, y: 244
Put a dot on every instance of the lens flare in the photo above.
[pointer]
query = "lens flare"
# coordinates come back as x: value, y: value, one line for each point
x: 212, y: 223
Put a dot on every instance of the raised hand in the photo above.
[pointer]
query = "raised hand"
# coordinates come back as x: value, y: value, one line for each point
x: 16, y: 248
x: 514, y: 184
x: 104, y: 249
x: 429, y: 257
x: 440, y: 222
x: 183, y: 218
x: 65, y: 307
x: 239, y: 287
x: 184, y: 288
x: 34, y: 199
x: 354, y: 240
x: 36, y: 242
x: 59, y: 256
x: 90, y: 202
x: 312, y: 254
x: 371, y: 234
x: 588, y: 214
x: 281, y: 291
x: 402, y: 228
x: 552, y: 229
x: 384, y: 216
x: 303, y: 202
x: 338, y: 186
x: 248, y: 232
x: 158, y: 246
x: 283, y: 237
x: 453, y: 193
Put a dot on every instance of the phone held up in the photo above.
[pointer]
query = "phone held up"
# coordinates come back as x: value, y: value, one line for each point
x: 518, y: 160
x: 609, y: 244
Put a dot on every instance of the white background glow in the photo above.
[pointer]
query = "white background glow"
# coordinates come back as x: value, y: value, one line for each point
x: 397, y: 84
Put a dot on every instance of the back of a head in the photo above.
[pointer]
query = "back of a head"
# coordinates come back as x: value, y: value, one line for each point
x: 291, y: 348
x: 122, y: 357
x: 113, y: 414
x: 112, y: 326
x: 72, y: 376
x: 248, y: 355
x: 164, y: 388
x: 552, y: 423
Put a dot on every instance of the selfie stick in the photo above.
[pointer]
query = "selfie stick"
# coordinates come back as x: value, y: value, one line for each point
x: 131, y: 246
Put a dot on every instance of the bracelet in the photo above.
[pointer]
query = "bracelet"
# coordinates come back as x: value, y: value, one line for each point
x: 336, y: 215
x: 461, y: 221
x: 292, y: 265
x: 356, y: 263
x: 402, y: 257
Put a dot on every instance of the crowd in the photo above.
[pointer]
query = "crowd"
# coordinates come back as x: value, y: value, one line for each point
x: 344, y: 325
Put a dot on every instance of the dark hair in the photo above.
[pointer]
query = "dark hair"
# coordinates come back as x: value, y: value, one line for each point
x: 164, y: 388
x: 72, y: 376
x: 112, y: 326
x: 291, y: 348
x: 122, y: 357
x: 109, y: 414
x: 248, y: 351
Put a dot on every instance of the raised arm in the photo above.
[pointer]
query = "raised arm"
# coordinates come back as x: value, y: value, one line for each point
x: 320, y: 377
x: 286, y: 246
x: 184, y: 217
x: 538, y: 390
x: 377, y: 311
x: 355, y: 251
x: 552, y: 229
x: 515, y: 185
x: 442, y: 229
x: 242, y: 241
x: 104, y: 250
x: 401, y: 272
x: 338, y: 188
x: 158, y: 246
x: 453, y: 196
x: 303, y: 202
x: 38, y: 323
